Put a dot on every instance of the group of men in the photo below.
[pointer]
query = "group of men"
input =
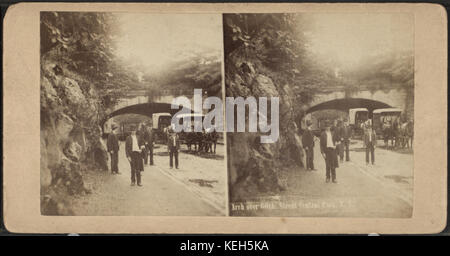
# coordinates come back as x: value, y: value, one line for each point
x: 334, y: 142
x: 139, y: 150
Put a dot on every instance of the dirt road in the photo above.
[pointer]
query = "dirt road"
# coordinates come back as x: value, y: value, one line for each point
x: 160, y: 195
x: 383, y: 190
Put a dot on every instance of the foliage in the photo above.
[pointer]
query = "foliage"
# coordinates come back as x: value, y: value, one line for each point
x: 277, y: 45
x: 202, y: 72
x: 83, y: 42
x: 386, y: 71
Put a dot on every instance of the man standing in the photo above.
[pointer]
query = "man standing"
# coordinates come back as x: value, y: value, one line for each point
x: 173, y: 145
x: 346, y: 134
x: 113, y: 149
x: 396, y: 132
x: 339, y: 135
x: 133, y: 148
x: 140, y: 133
x: 149, y: 140
x: 370, y: 140
x: 308, y: 145
x: 328, y: 149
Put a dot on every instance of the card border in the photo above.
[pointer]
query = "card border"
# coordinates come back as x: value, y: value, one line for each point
x: 21, y: 119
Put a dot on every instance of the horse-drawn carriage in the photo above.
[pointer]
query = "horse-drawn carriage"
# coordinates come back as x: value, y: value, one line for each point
x: 392, y: 127
x: 357, y: 116
x: 199, y: 140
x: 160, y: 122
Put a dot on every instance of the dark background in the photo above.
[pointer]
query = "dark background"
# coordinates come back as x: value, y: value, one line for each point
x: 169, y: 244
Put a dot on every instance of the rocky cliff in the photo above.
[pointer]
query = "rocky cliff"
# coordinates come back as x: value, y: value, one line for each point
x: 256, y: 64
x: 253, y: 166
x: 70, y: 135
x: 80, y: 78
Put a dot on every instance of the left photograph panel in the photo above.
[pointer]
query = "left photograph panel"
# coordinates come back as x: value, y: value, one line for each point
x: 110, y: 88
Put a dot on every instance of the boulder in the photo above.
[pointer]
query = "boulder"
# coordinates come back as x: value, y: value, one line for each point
x: 263, y: 86
x: 100, y: 154
x: 247, y: 67
x: 49, y: 96
x: 238, y: 86
x: 248, y: 79
x: 252, y: 165
x: 73, y: 151
x: 72, y: 92
x: 64, y: 125
x: 297, y: 151
x: 68, y: 176
x: 78, y: 135
x: 291, y: 145
x: 49, y: 66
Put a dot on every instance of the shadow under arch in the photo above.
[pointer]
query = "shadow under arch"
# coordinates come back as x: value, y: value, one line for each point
x: 345, y: 104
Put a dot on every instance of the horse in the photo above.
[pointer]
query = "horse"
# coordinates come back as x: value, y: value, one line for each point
x: 396, y: 131
x: 406, y: 134
x: 390, y: 133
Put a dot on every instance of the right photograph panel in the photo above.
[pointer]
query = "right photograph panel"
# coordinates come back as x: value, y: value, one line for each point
x: 319, y: 114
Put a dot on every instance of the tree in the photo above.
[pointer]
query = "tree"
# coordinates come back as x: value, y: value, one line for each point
x: 277, y: 46
x: 384, y: 71
x: 197, y: 72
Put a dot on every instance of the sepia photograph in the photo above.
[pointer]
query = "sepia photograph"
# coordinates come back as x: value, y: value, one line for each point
x: 345, y: 84
x: 108, y: 83
x: 225, y: 118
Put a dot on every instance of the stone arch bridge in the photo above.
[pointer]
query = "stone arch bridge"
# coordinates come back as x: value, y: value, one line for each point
x: 140, y: 102
x: 339, y: 99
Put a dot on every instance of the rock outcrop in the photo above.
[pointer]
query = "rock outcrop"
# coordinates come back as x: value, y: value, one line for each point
x: 255, y: 167
x: 70, y: 136
x: 265, y: 56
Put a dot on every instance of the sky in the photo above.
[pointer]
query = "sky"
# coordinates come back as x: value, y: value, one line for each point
x: 158, y: 40
x: 348, y: 38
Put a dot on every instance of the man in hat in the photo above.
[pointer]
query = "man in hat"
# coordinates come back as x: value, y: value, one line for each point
x: 346, y: 134
x: 149, y: 140
x: 191, y: 139
x: 112, y: 145
x: 370, y: 141
x: 134, y: 146
x: 328, y: 141
x: 339, y: 130
x: 308, y: 145
x: 173, y: 146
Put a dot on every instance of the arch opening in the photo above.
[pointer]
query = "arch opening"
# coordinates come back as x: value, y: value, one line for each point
x: 340, y: 107
x: 347, y: 103
x: 145, y: 109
